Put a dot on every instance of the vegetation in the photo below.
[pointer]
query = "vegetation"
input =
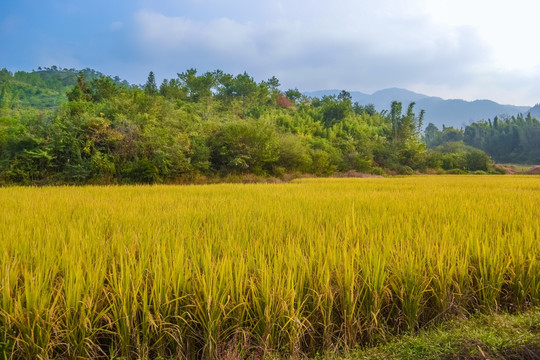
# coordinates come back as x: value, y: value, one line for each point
x: 494, y: 336
x: 58, y: 126
x: 513, y: 139
x: 255, y: 270
x: 42, y: 89
x: 215, y: 271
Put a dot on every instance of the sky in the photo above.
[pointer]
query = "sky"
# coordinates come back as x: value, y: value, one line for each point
x: 467, y: 49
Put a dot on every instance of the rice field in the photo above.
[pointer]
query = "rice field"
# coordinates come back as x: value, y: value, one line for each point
x: 253, y: 271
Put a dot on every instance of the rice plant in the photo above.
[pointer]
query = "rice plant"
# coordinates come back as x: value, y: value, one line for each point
x: 253, y: 271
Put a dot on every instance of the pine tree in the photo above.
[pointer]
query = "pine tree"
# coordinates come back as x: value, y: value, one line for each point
x: 151, y: 87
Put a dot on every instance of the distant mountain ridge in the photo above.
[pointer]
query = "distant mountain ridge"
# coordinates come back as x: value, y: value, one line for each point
x: 453, y: 112
x: 535, y: 111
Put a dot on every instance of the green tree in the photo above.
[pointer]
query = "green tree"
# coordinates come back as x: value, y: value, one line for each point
x: 244, y: 86
x: 172, y: 90
x: 334, y: 110
x: 245, y: 146
x: 81, y: 91
x: 150, y: 87
x: 477, y: 160
x: 432, y: 135
x: 103, y: 88
x: 293, y: 94
x: 197, y: 87
x: 273, y: 84
x: 344, y: 96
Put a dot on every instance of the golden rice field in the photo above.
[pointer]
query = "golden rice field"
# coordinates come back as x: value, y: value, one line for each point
x: 238, y: 271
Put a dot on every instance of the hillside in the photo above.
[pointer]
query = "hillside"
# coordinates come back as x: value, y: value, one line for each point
x: 44, y: 88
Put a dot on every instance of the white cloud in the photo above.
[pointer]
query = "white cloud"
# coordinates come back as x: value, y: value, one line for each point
x: 509, y: 28
x: 457, y: 48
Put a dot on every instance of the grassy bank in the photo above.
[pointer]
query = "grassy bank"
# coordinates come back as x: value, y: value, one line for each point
x: 496, y: 336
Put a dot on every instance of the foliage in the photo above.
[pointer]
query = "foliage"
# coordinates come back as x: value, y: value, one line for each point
x: 506, y: 139
x: 456, y: 155
x: 493, y: 336
x: 196, y: 125
x: 513, y: 139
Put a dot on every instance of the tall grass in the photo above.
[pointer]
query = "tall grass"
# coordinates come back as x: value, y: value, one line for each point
x: 236, y: 271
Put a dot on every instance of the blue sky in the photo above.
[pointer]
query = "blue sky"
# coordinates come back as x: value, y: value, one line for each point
x: 471, y: 49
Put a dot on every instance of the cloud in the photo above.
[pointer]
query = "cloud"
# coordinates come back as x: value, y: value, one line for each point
x: 314, y: 55
x: 354, y: 45
x: 453, y: 48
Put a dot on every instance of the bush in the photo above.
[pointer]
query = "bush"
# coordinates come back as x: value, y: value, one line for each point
x: 321, y: 164
x: 141, y: 171
x: 293, y: 154
x: 358, y: 162
x: 378, y: 171
x: 434, y: 160
x: 242, y: 147
x: 405, y: 170
x: 456, y: 172
x: 477, y: 160
x: 453, y: 161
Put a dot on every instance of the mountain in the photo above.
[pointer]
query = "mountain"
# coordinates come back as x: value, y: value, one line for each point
x: 439, y: 111
x: 535, y: 111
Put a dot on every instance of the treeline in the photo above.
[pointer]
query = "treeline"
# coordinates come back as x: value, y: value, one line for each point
x: 199, y: 126
x: 514, y: 139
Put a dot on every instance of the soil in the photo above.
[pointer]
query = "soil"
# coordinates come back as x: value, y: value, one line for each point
x: 534, y: 171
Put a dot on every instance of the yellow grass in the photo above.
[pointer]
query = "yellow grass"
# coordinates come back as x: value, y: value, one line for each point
x: 251, y: 270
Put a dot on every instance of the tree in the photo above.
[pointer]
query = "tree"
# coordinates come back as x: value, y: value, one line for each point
x: 395, y: 118
x: 197, y: 87
x: 334, y: 111
x: 273, y: 83
x: 432, y: 135
x: 81, y: 91
x: 172, y: 89
x: 477, y: 160
x: 245, y: 146
x: 344, y: 96
x: 283, y: 101
x: 103, y: 88
x: 450, y: 134
x: 150, y: 87
x: 368, y: 109
x: 273, y: 87
x: 5, y: 98
x: 293, y: 94
x: 5, y: 75
x: 244, y: 86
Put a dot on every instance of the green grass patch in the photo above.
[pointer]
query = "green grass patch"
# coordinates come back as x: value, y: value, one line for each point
x: 501, y: 336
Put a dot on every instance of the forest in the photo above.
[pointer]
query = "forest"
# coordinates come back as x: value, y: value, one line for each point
x: 511, y: 139
x: 64, y: 126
